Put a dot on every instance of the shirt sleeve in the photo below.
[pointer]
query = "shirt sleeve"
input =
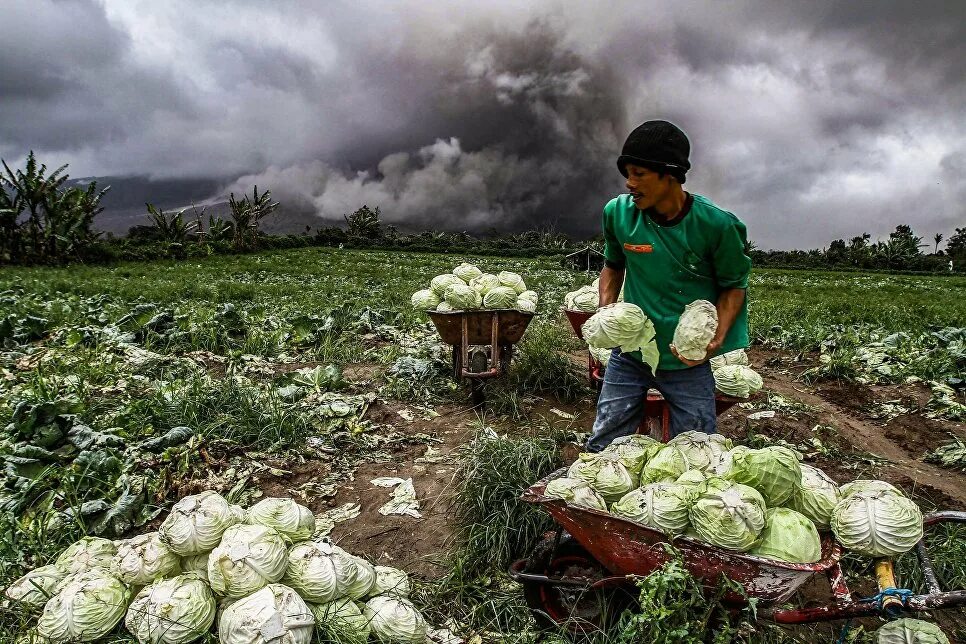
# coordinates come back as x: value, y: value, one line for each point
x: 613, y: 250
x: 731, y: 263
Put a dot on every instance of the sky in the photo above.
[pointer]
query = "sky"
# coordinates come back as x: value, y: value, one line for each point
x: 811, y: 121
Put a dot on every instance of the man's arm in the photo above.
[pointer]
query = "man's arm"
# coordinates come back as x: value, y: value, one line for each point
x: 611, y: 280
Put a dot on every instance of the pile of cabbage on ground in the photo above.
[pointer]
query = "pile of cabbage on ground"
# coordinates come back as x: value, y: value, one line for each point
x: 468, y: 288
x: 254, y: 575
x: 763, y: 502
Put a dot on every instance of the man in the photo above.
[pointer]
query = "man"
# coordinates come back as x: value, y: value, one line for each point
x: 667, y: 248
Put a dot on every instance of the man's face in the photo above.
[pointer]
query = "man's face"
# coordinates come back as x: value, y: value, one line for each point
x: 646, y: 186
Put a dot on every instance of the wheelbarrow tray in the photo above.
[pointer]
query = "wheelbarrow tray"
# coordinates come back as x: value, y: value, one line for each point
x: 625, y: 547
x: 577, y: 319
x: 512, y: 323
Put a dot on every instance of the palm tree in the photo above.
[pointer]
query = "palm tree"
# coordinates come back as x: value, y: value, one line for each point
x: 247, y: 215
x: 174, y: 230
x: 938, y: 237
x: 33, y: 190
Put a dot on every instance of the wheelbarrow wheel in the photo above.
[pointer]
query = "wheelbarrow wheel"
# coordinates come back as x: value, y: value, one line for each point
x: 566, y: 609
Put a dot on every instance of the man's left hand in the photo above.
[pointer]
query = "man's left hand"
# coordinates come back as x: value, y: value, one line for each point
x: 712, y: 349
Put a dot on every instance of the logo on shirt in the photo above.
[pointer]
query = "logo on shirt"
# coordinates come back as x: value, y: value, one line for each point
x: 639, y: 248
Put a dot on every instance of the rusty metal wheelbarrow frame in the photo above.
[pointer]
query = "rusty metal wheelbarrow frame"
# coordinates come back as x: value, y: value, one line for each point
x: 627, y: 549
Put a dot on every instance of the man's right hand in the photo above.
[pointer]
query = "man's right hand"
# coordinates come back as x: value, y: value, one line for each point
x: 611, y: 281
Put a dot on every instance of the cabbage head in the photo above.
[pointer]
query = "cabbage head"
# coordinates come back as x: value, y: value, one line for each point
x: 364, y: 579
x: 738, y: 356
x: 866, y: 485
x: 87, y: 553
x: 273, y: 615
x: 342, y: 621
x: 462, y: 297
x: 737, y: 380
x: 36, y: 587
x: 529, y: 296
x: 512, y: 280
x: 623, y: 325
x: 910, y: 631
x: 701, y: 450
x: 485, y: 283
x: 526, y: 306
x: 391, y: 581
x: 142, y: 559
x: 320, y: 571
x: 172, y: 611
x: 633, y: 454
x: 197, y: 522
x: 774, y: 471
x: 197, y: 564
x: 249, y: 557
x: 696, y: 328
x: 694, y: 479
x: 788, y: 536
x: 293, y: 521
x: 600, y: 355
x: 877, y: 524
x: 665, y: 466
x: 444, y: 307
x: 395, y: 620
x: 467, y: 272
x: 575, y: 492
x: 87, y: 606
x: 662, y: 506
x: 728, y: 515
x: 440, y: 283
x: 500, y: 297
x: 816, y: 498
x: 605, y: 473
x: 424, y: 300
x: 585, y: 299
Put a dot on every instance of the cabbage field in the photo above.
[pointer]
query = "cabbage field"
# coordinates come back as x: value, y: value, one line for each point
x: 307, y: 374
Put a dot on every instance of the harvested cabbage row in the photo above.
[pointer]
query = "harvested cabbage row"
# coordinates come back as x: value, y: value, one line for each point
x: 763, y: 502
x: 254, y: 575
x: 468, y: 288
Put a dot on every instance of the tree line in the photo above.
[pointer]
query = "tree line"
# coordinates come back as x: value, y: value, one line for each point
x: 44, y: 221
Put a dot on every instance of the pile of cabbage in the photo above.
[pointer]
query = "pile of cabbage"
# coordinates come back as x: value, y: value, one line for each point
x: 468, y: 288
x: 733, y: 376
x: 251, y: 576
x: 586, y: 298
x: 763, y: 502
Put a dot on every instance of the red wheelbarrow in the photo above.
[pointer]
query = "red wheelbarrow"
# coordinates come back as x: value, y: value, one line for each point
x: 656, y: 412
x: 581, y: 576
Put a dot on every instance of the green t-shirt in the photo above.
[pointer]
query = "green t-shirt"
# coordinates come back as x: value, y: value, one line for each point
x: 668, y: 266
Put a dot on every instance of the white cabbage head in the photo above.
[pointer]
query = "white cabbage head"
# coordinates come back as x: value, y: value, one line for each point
x: 500, y: 297
x: 702, y: 451
x: 391, y: 581
x: 395, y: 620
x: 910, y: 631
x: 87, y: 606
x: 788, y: 536
x: 585, y: 299
x: 877, y: 524
x: 424, y: 300
x: 364, y: 581
x: 728, y: 515
x: 36, y: 587
x: 662, y: 506
x: 467, y: 272
x: 693, y: 479
x: 774, y: 471
x: 197, y: 564
x: 342, y: 621
x: 575, y: 492
x: 320, y: 571
x: 484, y: 283
x: 172, y: 611
x: 600, y: 355
x: 462, y: 297
x: 249, y: 557
x: 87, y: 553
x: 605, y: 473
x: 696, y: 328
x: 440, y: 283
x: 867, y: 485
x: 197, y: 522
x: 142, y: 559
x: 273, y: 615
x: 666, y: 465
x: 293, y: 521
x: 444, y: 307
x: 529, y: 296
x: 737, y: 380
x: 623, y: 325
x: 633, y: 453
x: 526, y: 306
x: 816, y: 498
x: 738, y: 356
x: 512, y: 280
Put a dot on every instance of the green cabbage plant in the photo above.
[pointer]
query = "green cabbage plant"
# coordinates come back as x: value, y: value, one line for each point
x: 737, y: 380
x: 500, y: 297
x: 172, y: 611
x: 440, y: 283
x: 87, y: 553
x: 877, y: 523
x: 910, y: 631
x: 695, y: 329
x: 662, y: 506
x: 665, y: 465
x: 788, y: 536
x: 320, y: 571
x: 702, y: 451
x: 728, y: 515
x: 87, y: 606
x: 425, y: 300
x: 467, y: 272
x: 292, y: 520
x: 585, y: 299
x: 248, y: 558
x: 395, y: 620
x: 462, y: 297
x: 197, y: 522
x: 867, y: 485
x: 816, y: 498
x: 485, y: 283
x: 144, y: 558
x: 623, y: 325
x: 738, y: 356
x: 774, y: 471
x: 272, y: 614
x: 575, y: 492
x: 605, y: 473
x: 512, y: 280
x: 342, y: 621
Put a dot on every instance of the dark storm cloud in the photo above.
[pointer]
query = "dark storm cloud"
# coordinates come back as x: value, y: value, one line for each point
x: 810, y: 120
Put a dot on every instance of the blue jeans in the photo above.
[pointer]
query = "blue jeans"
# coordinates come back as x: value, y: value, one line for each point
x: 689, y: 394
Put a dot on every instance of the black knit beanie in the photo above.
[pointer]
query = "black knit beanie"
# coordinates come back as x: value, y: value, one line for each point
x: 658, y: 146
